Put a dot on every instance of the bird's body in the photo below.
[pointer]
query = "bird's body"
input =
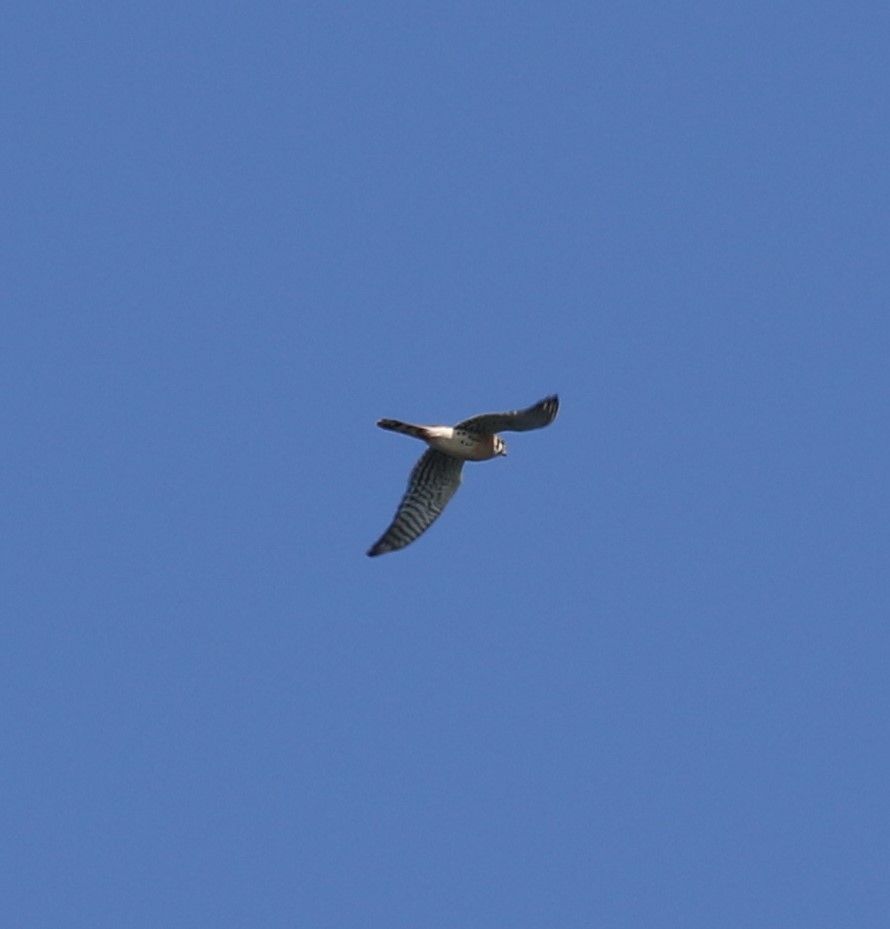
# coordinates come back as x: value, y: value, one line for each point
x: 452, y: 440
x: 437, y: 475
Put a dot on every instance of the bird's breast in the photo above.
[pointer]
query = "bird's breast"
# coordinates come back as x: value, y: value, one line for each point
x: 465, y: 445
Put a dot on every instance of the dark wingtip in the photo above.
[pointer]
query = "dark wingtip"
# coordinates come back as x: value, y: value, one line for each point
x: 551, y: 403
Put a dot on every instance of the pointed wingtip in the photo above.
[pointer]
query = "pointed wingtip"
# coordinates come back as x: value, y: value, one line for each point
x: 551, y: 407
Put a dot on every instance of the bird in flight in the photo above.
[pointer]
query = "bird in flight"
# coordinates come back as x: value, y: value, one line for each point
x: 437, y: 475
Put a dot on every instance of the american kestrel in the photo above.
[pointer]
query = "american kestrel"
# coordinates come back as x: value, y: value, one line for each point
x: 436, y: 477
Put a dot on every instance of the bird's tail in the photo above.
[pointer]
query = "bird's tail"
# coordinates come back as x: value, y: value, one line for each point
x: 395, y: 425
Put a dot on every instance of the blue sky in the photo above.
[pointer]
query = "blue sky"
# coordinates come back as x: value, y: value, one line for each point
x: 636, y: 675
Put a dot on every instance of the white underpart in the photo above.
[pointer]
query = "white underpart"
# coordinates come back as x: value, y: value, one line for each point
x: 458, y: 443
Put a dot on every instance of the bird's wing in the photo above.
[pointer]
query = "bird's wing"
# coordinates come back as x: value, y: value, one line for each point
x: 535, y: 417
x: 433, y: 482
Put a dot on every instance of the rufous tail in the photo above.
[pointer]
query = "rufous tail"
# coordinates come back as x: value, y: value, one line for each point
x: 395, y: 425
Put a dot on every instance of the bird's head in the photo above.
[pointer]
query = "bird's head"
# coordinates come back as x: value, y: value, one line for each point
x: 500, y: 446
